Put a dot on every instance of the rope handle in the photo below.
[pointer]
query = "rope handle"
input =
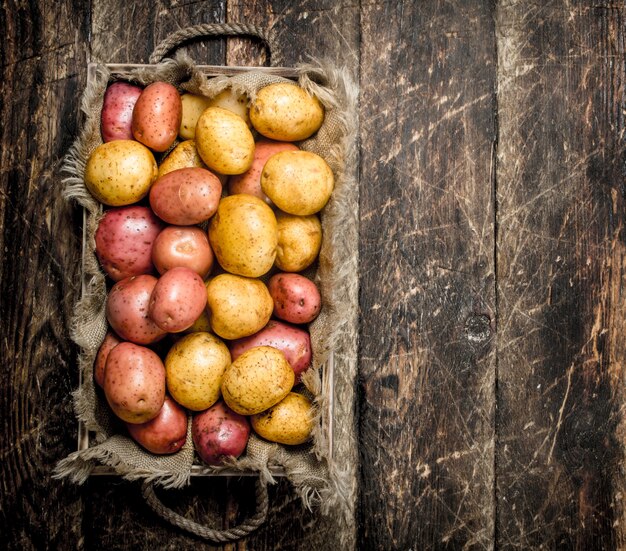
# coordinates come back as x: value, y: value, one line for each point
x: 219, y: 536
x: 204, y: 30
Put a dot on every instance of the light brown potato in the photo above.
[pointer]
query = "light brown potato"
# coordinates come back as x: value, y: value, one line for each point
x: 285, y: 112
x: 194, y: 368
x: 235, y: 103
x: 299, y: 241
x: 244, y: 235
x: 297, y: 182
x: 120, y: 172
x: 238, y: 306
x: 224, y: 141
x: 184, y: 155
x: 258, y: 379
x: 156, y: 116
x: 193, y: 106
x: 289, y: 422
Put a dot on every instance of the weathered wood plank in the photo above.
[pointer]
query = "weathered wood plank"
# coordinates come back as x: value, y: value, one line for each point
x: 43, y: 58
x: 560, y: 205
x: 427, y: 289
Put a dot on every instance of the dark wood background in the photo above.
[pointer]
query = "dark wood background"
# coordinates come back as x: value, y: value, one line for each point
x: 493, y: 310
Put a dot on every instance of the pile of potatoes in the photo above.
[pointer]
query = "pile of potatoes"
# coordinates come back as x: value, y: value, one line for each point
x: 211, y: 213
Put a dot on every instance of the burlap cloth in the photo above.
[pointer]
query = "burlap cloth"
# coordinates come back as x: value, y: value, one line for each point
x: 323, y: 475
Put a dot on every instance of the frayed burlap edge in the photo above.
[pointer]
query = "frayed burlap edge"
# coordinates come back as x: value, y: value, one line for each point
x: 321, y: 480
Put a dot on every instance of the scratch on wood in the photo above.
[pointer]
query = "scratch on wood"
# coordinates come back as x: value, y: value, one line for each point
x: 561, y: 409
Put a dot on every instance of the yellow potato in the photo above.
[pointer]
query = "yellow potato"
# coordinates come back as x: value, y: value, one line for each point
x: 289, y: 422
x: 297, y: 182
x: 201, y: 324
x: 256, y: 380
x: 238, y: 306
x: 299, y: 241
x: 224, y: 141
x: 285, y: 112
x: 184, y: 155
x: 236, y: 103
x: 244, y: 235
x: 193, y: 106
x: 120, y: 172
x: 194, y: 369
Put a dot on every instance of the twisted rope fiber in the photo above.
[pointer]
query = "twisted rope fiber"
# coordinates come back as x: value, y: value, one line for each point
x: 221, y: 536
x: 211, y: 29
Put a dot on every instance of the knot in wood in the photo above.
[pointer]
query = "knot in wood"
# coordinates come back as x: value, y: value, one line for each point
x: 478, y: 328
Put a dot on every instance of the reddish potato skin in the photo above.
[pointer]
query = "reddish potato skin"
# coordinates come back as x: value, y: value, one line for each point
x: 296, y: 298
x: 178, y: 299
x: 186, y: 196
x: 127, y: 310
x: 157, y: 115
x: 293, y: 342
x: 219, y: 432
x: 164, y: 434
x: 111, y: 340
x: 250, y: 181
x: 183, y: 246
x: 117, y: 111
x: 124, y: 240
x: 134, y: 382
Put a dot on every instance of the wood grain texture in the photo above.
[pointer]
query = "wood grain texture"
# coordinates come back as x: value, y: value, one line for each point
x: 43, y: 64
x: 427, y: 286
x: 560, y: 204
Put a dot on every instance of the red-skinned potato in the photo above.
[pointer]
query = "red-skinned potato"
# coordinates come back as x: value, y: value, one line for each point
x: 183, y: 246
x: 219, y: 432
x: 124, y: 241
x: 111, y: 340
x: 250, y: 182
x: 117, y: 111
x: 164, y: 434
x: 127, y: 310
x: 293, y: 342
x: 296, y: 298
x: 157, y: 115
x: 134, y: 382
x: 186, y: 196
x: 177, y: 300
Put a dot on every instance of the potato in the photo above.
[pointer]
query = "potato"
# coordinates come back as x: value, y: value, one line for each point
x: 284, y: 111
x: 166, y: 433
x: 288, y: 422
x: 244, y: 235
x: 111, y: 340
x: 293, y: 342
x: 182, y: 246
x: 193, y: 106
x: 186, y: 196
x: 124, y: 240
x: 250, y: 181
x: 224, y: 141
x: 178, y: 298
x: 233, y: 102
x: 256, y: 380
x: 219, y: 433
x: 157, y: 115
x: 120, y: 172
x: 296, y: 298
x: 195, y: 366
x: 184, y: 155
x: 299, y: 241
x: 297, y: 182
x: 238, y: 306
x: 134, y: 382
x: 127, y: 310
x: 117, y: 111
x: 202, y: 323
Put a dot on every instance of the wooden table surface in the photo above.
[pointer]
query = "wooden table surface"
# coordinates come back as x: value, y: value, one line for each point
x: 492, y: 349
